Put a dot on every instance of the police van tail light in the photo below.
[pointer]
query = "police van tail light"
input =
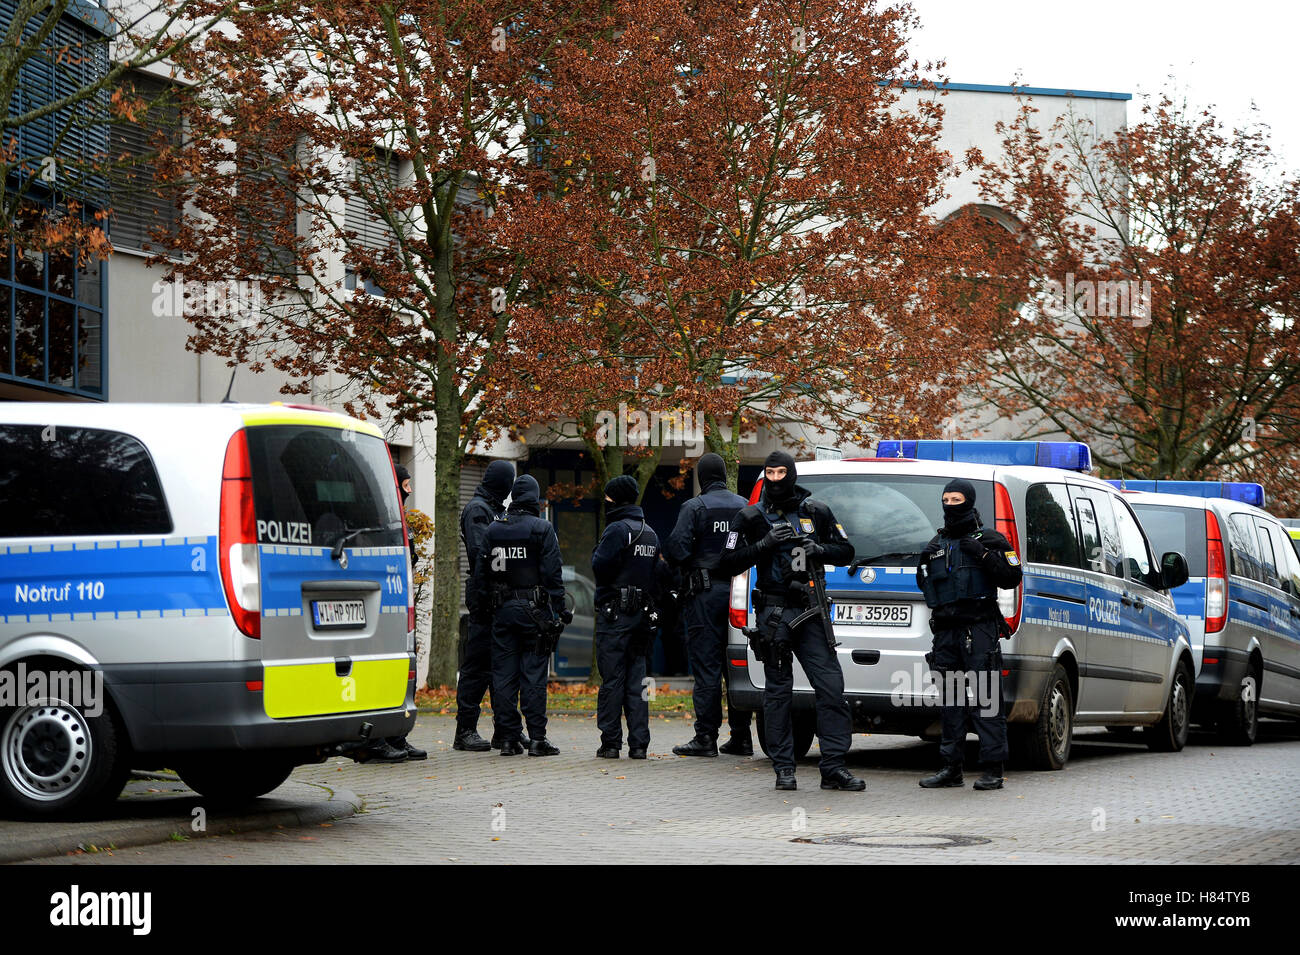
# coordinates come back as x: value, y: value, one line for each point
x: 237, y: 539
x: 410, y: 558
x: 739, y: 611
x: 1216, y: 576
x: 1009, y: 601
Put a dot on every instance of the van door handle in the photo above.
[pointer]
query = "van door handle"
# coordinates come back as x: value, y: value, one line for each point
x: 1139, y: 603
x: 866, y: 657
x: 350, y: 586
x: 1126, y: 600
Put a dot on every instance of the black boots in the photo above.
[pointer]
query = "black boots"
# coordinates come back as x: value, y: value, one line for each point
x: 635, y: 752
x: 699, y: 746
x: 543, y: 747
x: 413, y: 752
x: 471, y: 742
x: 511, y: 747
x: 843, y: 779
x: 523, y: 740
x: 607, y: 752
x: 381, y: 752
x: 785, y: 780
x: 950, y: 775
x: 992, y: 778
x: 738, y: 746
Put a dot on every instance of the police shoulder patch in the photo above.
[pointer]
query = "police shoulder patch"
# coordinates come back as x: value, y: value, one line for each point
x: 731, y: 540
x: 1013, y: 559
x: 840, y: 527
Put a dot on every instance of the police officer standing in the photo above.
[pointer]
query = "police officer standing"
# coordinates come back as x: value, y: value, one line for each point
x: 791, y: 537
x: 959, y: 573
x: 694, y: 546
x: 624, y: 565
x: 517, y: 571
x: 487, y: 504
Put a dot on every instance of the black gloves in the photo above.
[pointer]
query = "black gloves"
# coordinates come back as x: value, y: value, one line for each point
x: 566, y: 617
x: 972, y: 548
x: 779, y: 533
x: 811, y: 549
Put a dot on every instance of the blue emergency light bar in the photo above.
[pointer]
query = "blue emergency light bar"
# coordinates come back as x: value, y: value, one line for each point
x: 1242, y: 491
x: 1069, y: 455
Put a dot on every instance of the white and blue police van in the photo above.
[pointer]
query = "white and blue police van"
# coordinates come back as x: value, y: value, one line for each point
x: 1241, y: 601
x: 1095, y: 636
x: 219, y: 589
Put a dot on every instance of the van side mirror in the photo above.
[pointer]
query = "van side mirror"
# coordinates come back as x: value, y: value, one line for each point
x: 1173, y: 570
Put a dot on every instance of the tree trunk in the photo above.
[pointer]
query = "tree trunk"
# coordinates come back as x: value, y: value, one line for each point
x: 446, y: 553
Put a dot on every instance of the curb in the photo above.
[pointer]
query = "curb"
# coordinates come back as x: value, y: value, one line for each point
x: 338, y: 804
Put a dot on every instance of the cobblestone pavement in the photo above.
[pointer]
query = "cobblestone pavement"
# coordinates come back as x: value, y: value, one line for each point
x: 1115, y: 802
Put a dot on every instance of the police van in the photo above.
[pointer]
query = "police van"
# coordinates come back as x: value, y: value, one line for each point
x: 1241, y: 602
x: 1096, y: 639
x: 219, y: 589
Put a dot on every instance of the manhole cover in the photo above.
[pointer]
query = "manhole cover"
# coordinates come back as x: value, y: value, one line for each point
x: 896, y: 840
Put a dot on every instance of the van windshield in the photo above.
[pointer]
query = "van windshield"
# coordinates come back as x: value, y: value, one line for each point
x: 890, y: 517
x: 313, y: 485
x: 1175, y: 528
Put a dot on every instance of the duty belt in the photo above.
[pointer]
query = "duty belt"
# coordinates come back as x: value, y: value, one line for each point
x: 532, y: 595
x: 794, y: 598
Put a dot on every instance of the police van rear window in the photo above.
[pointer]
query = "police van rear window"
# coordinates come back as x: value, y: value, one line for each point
x: 313, y: 485
x: 1175, y: 528
x: 889, y: 518
x: 77, y: 482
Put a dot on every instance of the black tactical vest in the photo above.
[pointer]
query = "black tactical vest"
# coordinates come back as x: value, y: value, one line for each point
x: 515, y: 552
x: 951, y: 576
x: 713, y: 523
x: 776, y: 572
x: 638, y: 568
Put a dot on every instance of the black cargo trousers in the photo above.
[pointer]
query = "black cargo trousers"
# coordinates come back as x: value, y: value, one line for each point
x: 621, y: 641
x: 808, y: 645
x: 706, y: 644
x: 518, y: 672
x: 967, y: 662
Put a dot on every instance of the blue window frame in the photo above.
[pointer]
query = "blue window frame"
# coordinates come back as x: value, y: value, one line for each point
x: 52, y: 330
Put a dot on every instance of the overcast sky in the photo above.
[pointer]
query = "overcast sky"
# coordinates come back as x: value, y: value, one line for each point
x: 1225, y: 54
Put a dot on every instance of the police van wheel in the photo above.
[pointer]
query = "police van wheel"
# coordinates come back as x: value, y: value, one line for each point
x: 241, y: 777
x: 55, y: 761
x: 1170, y: 734
x: 1046, y: 743
x: 1238, y: 722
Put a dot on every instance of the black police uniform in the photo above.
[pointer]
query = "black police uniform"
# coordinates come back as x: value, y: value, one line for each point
x: 960, y: 571
x: 694, y: 545
x: 476, y: 659
x: 517, y: 574
x: 625, y: 567
x: 790, y: 536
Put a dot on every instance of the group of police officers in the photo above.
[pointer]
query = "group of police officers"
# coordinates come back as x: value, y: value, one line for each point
x: 516, y: 602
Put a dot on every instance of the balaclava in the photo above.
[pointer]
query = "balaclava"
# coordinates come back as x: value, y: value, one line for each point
x: 960, y: 518
x: 622, y: 490
x: 524, y: 496
x: 711, y: 469
x: 403, y: 476
x: 780, y: 492
x: 498, y: 478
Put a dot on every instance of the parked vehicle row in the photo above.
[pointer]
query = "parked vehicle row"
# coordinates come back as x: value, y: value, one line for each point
x: 1108, y: 627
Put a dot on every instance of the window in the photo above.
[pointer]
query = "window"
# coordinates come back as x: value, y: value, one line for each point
x: 1268, y: 560
x: 369, y: 197
x: 61, y: 482
x: 1052, y: 536
x: 1288, y: 560
x: 267, y: 211
x: 1138, y: 564
x: 51, y: 315
x: 1246, y: 558
x: 1100, y: 534
x: 1179, y: 529
x: 140, y: 207
x: 890, y: 517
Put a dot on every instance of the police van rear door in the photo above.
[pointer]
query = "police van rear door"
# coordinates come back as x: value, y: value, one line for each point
x: 333, y: 565
x: 880, y: 617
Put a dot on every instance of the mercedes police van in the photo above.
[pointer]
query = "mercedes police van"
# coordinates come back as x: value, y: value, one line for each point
x: 1095, y: 636
x: 1241, y: 602
x: 219, y: 589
